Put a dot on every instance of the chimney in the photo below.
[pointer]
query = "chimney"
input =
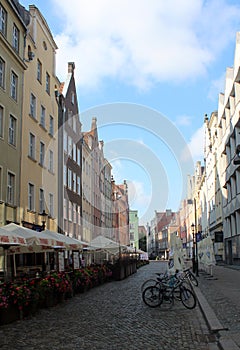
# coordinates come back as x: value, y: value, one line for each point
x: 94, y: 123
x: 71, y: 67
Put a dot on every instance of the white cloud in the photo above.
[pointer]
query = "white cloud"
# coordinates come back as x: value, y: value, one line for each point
x: 184, y: 120
x: 196, y: 144
x: 137, y: 196
x: 142, y: 42
x: 217, y: 86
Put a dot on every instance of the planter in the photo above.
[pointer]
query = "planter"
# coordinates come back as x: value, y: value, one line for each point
x: 9, y: 315
x: 60, y: 298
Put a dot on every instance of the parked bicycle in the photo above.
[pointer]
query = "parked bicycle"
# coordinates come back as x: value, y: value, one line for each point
x: 167, y: 291
x: 187, y: 273
x: 154, y: 281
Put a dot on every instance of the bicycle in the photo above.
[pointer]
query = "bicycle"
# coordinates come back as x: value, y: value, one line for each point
x: 154, y: 281
x: 190, y: 276
x: 167, y: 292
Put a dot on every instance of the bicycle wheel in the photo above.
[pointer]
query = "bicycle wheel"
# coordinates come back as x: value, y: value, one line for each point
x: 188, y: 298
x: 193, y: 279
x: 152, y: 296
x: 149, y: 283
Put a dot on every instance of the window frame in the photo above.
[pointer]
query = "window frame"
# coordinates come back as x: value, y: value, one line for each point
x: 51, y: 125
x: 39, y: 71
x: 33, y: 106
x: 2, y: 72
x: 2, y: 112
x: 43, y: 117
x: 31, y: 197
x: 11, y: 187
x: 41, y: 153
x: 15, y: 38
x: 3, y: 20
x: 41, y: 200
x: 51, y: 162
x: 32, y: 146
x: 13, y: 85
x: 12, y: 131
x: 47, y: 87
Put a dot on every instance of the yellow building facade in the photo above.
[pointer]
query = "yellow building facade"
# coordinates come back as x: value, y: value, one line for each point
x: 12, y: 67
x: 39, y: 127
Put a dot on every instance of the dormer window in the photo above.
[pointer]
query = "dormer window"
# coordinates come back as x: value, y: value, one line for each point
x: 72, y: 98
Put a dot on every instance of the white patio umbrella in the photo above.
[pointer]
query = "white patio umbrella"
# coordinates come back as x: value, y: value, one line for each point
x: 36, y: 241
x: 69, y: 242
x: 105, y: 244
x: 7, y: 240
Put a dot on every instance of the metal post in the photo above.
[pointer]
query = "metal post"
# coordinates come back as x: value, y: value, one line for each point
x: 197, y: 256
x: 193, y: 249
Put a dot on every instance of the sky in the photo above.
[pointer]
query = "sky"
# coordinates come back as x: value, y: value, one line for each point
x: 149, y: 71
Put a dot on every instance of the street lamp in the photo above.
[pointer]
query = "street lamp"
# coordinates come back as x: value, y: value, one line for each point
x: 195, y: 251
x: 193, y: 248
x: 44, y: 219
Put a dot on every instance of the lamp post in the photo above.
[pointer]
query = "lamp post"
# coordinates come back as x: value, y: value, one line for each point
x: 197, y: 235
x: 193, y: 248
x: 44, y: 219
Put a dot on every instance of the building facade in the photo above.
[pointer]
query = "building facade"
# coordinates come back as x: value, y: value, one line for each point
x: 39, y: 172
x: 133, y: 228
x: 13, y: 27
x: 69, y: 159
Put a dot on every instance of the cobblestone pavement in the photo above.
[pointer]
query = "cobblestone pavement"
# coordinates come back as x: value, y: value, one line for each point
x: 221, y: 289
x: 111, y: 316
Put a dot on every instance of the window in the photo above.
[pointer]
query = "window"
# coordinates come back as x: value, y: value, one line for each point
x: 12, y: 130
x: 51, y: 212
x: 70, y: 211
x: 74, y: 180
x: 78, y: 157
x: 69, y: 178
x: 65, y: 141
x: 78, y: 189
x: 42, y: 119
x: 74, y: 216
x: 15, y: 38
x: 72, y: 97
x: 47, y: 83
x: 65, y: 175
x: 74, y: 124
x: 33, y: 106
x: 74, y: 152
x: 13, y: 87
x: 42, y: 154
x: 41, y: 200
x: 51, y: 125
x: 2, y: 72
x: 70, y: 143
x: 1, y: 120
x: 65, y: 209
x: 39, y: 71
x: 30, y: 196
x: 50, y: 161
x: 31, y: 151
x: 10, y: 188
x: 3, y: 20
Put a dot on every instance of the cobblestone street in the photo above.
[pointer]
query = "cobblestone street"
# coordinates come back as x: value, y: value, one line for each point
x: 112, y: 316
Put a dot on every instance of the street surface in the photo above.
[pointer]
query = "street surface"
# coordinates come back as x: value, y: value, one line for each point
x: 111, y: 316
x: 222, y: 293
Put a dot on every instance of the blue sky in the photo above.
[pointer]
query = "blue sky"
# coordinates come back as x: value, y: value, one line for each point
x: 148, y: 70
